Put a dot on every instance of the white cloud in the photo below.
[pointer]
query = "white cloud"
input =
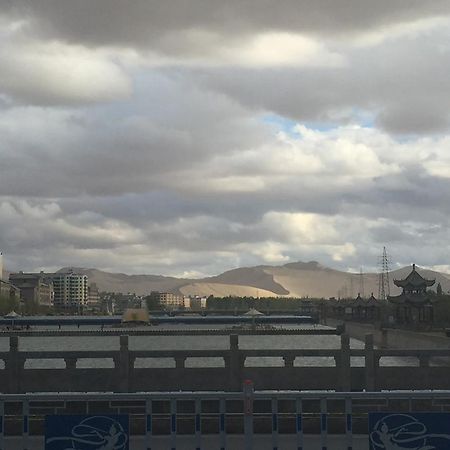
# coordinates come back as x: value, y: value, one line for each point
x: 401, y: 30
x: 301, y: 228
x: 270, y: 49
x: 47, y: 73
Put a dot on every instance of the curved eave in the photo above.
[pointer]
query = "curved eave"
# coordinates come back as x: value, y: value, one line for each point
x: 410, y: 300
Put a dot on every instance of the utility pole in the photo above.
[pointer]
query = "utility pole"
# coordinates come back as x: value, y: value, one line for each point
x: 383, y: 279
x: 361, y: 282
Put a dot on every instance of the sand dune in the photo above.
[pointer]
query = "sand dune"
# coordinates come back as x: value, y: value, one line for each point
x: 223, y: 290
x: 298, y: 279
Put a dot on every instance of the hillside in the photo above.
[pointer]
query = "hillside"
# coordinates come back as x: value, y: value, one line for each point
x: 294, y: 279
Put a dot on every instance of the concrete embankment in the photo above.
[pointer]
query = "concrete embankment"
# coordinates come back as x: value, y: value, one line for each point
x: 394, y: 338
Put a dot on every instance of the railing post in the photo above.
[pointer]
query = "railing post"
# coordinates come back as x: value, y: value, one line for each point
x: 248, y: 390
x: 289, y: 360
x: 180, y: 362
x: 124, y: 365
x: 71, y: 363
x: 14, y: 366
x: 2, y: 425
x: 235, y: 364
x: 370, y: 363
x: 25, y: 424
x: 384, y: 338
x: 424, y: 360
x: 344, y: 366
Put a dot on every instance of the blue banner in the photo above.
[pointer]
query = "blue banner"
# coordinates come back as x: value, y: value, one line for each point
x: 409, y: 431
x: 81, y: 432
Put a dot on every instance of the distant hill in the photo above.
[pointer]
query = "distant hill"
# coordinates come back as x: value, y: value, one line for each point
x: 298, y: 279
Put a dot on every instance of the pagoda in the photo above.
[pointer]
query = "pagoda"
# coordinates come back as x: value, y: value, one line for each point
x: 414, y: 304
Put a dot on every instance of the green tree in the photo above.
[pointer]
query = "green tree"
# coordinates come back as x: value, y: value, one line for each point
x: 8, y: 304
x: 152, y: 301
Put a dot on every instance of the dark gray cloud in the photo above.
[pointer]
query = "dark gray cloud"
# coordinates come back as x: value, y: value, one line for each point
x: 160, y: 136
x: 150, y: 23
x: 398, y: 83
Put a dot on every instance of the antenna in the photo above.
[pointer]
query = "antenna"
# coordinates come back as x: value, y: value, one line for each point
x: 383, y: 280
x: 361, y: 282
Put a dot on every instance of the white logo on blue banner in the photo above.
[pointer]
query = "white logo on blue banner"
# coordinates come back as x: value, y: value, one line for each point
x: 409, y: 431
x: 81, y: 432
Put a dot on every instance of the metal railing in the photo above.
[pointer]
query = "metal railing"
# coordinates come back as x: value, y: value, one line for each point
x: 225, y: 420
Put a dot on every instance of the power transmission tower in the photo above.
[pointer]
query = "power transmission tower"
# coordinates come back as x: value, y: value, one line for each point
x: 361, y: 283
x: 383, y: 280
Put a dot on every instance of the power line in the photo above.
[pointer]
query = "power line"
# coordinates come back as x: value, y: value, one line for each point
x: 361, y: 282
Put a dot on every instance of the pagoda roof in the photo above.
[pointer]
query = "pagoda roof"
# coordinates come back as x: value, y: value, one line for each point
x: 359, y: 301
x: 411, y: 299
x: 372, y: 301
x: 414, y: 280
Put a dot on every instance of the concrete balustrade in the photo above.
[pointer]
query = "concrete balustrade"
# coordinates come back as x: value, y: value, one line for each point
x: 125, y: 377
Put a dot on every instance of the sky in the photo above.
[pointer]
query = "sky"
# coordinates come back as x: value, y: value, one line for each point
x: 188, y: 138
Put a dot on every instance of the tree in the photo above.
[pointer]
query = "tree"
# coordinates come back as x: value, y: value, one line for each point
x: 152, y: 301
x: 7, y: 304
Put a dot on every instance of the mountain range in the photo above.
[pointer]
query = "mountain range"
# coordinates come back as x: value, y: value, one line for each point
x: 298, y: 279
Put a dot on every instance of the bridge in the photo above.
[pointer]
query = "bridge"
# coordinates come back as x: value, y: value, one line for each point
x: 195, y: 319
x: 244, y: 420
x: 128, y: 370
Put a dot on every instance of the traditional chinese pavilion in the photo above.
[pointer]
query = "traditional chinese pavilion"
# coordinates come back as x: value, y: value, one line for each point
x: 414, y: 304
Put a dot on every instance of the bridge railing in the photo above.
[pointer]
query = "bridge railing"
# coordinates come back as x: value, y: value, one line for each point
x: 219, y: 420
x: 345, y: 369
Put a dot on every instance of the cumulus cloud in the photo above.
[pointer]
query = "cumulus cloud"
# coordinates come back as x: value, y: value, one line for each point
x: 164, y: 137
x: 53, y: 72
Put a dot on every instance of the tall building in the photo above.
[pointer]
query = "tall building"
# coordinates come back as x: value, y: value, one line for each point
x: 93, y: 296
x: 170, y: 300
x: 35, y: 288
x: 7, y: 290
x: 71, y: 290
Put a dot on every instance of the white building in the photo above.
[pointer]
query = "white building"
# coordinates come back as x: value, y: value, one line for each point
x: 70, y: 290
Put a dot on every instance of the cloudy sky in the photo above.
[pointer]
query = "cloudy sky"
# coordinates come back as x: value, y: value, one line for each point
x: 190, y: 137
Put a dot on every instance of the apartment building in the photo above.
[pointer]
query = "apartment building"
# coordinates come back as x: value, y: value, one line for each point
x: 35, y: 288
x: 71, y: 290
x: 170, y: 301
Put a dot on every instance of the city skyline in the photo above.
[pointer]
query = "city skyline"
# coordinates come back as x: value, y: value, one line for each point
x: 155, y: 138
